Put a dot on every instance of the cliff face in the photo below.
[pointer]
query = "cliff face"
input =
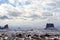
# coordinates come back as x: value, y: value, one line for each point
x: 5, y: 27
x: 50, y: 26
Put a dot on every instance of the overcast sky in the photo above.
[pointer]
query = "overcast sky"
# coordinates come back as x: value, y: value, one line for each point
x: 29, y: 12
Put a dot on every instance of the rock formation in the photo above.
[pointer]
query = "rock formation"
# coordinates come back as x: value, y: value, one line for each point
x: 50, y: 26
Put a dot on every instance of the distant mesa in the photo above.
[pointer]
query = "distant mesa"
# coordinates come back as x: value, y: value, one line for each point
x: 5, y: 27
x: 50, y: 26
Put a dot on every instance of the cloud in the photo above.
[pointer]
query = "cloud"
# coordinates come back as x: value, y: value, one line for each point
x: 24, y: 11
x: 47, y: 14
x: 15, y: 14
x: 4, y: 17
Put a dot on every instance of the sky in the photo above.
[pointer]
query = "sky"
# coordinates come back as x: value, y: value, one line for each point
x: 29, y: 13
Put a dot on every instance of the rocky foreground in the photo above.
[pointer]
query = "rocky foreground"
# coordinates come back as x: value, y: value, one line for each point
x: 30, y: 35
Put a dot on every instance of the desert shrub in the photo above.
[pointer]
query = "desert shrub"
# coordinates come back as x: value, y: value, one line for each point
x: 19, y: 35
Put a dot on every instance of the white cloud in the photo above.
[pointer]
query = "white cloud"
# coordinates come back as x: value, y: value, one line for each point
x: 36, y: 12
